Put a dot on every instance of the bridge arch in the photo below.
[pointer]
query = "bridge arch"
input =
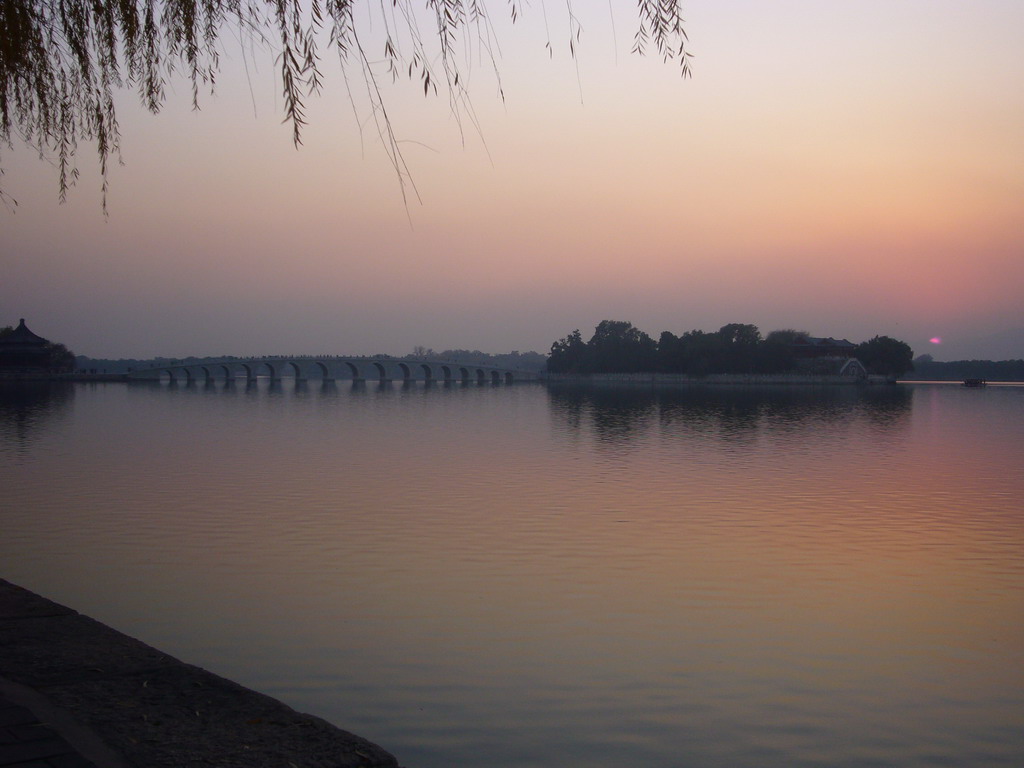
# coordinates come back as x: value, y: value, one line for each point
x: 328, y: 368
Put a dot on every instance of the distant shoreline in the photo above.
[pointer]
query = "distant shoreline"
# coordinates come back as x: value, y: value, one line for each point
x: 658, y: 379
x: 635, y: 379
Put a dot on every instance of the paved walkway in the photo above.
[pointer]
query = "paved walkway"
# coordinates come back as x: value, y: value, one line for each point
x: 75, y: 693
x: 26, y: 741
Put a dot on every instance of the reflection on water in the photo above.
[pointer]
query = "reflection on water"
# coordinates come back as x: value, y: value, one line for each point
x: 26, y: 407
x: 522, y: 576
x: 619, y: 413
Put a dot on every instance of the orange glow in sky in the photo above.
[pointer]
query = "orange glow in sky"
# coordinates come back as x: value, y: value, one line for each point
x: 827, y: 168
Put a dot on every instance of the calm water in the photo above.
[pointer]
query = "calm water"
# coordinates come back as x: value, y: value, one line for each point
x: 522, y: 576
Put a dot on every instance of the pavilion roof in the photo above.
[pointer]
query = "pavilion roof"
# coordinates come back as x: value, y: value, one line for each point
x: 818, y: 341
x: 23, y: 337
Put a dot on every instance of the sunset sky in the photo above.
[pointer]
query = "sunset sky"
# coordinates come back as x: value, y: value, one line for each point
x: 845, y: 168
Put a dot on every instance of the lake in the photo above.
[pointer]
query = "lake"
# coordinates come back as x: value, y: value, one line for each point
x: 535, y: 575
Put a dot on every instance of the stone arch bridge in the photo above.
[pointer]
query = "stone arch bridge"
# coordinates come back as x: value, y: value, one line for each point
x: 329, y: 368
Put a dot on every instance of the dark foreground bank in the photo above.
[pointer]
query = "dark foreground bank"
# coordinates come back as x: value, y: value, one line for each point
x: 74, y: 692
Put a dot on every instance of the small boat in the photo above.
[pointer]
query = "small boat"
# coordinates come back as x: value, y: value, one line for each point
x: 975, y: 382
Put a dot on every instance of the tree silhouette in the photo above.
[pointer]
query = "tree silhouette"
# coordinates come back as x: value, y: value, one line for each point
x: 570, y: 355
x: 886, y: 356
x: 618, y: 346
x: 63, y: 61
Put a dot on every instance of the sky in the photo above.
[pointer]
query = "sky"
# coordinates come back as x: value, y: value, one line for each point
x: 850, y: 168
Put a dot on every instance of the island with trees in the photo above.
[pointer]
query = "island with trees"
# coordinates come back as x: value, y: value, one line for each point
x: 736, y: 350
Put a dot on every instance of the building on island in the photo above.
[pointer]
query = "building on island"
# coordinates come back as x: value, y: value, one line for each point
x: 805, y: 347
x: 23, y: 352
x: 825, y: 356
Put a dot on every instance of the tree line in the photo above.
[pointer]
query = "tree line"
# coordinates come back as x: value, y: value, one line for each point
x: 618, y: 346
x: 525, y: 361
x: 928, y: 369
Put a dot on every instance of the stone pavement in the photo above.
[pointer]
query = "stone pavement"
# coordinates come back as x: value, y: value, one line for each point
x: 27, y: 742
x: 75, y: 693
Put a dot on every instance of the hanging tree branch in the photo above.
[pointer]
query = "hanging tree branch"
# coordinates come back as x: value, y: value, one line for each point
x: 63, y: 61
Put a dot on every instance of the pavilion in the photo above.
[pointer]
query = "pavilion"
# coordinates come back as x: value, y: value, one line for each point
x: 22, y: 351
